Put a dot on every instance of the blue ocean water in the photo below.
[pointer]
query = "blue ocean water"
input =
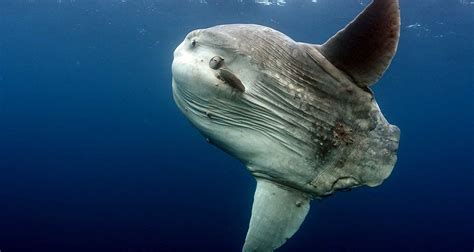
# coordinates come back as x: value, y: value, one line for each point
x: 95, y: 156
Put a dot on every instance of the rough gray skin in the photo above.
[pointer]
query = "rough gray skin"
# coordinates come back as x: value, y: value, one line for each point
x: 301, y: 117
x: 332, y: 124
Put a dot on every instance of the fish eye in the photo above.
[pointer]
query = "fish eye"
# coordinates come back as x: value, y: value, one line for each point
x: 193, y: 43
x: 216, y: 62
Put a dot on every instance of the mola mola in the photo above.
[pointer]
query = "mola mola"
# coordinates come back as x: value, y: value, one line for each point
x: 301, y: 117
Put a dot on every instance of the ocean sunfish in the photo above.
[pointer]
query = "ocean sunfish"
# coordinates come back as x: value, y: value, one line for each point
x: 301, y: 117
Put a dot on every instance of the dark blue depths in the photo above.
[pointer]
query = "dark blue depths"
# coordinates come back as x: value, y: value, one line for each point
x: 94, y: 155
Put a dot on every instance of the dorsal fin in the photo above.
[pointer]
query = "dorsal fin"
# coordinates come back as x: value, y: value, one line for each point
x: 366, y: 46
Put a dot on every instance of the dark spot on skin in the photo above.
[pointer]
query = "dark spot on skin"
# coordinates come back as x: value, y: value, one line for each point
x: 341, y: 162
x: 299, y: 203
x: 350, y: 90
x: 342, y: 134
x: 193, y: 43
x: 209, y: 115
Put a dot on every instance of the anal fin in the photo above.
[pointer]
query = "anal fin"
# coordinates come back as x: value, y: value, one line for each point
x: 277, y: 213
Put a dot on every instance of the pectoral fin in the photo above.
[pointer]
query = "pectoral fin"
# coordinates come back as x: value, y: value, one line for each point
x: 277, y: 214
x: 230, y: 78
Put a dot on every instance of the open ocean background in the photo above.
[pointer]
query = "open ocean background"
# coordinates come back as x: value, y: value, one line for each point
x: 95, y: 156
